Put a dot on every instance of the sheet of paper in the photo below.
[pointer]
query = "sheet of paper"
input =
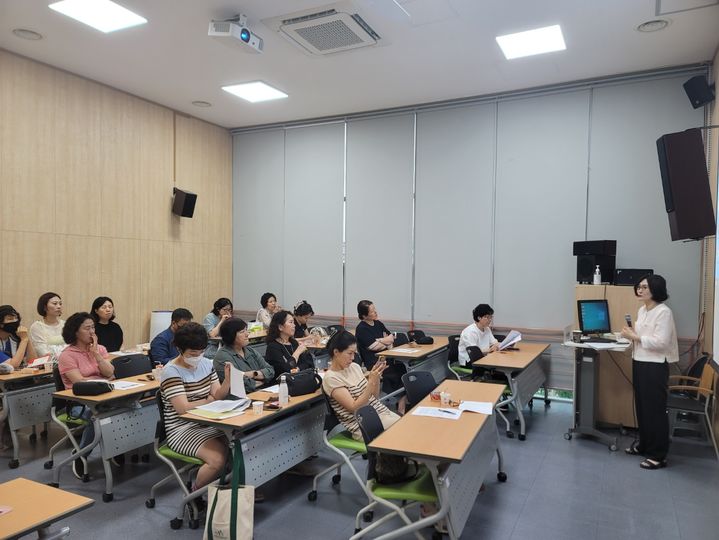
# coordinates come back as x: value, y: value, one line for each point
x: 125, y: 385
x: 271, y: 389
x: 449, y: 414
x: 404, y: 349
x: 512, y: 338
x: 40, y: 361
x: 225, y: 405
x: 481, y: 407
x: 237, y: 383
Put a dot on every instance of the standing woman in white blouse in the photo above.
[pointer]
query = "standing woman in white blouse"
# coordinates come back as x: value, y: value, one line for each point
x: 654, y: 338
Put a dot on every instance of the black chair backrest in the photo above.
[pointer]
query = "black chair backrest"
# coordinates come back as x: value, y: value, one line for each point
x: 453, y: 352
x: 414, y: 335
x: 160, y: 434
x: 475, y: 353
x: 400, y: 339
x: 697, y: 367
x: 58, y: 403
x: 331, y: 419
x: 134, y: 364
x: 370, y: 426
x: 418, y: 384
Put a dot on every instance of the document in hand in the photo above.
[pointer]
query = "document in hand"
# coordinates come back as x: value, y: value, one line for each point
x: 512, y: 338
x: 237, y: 383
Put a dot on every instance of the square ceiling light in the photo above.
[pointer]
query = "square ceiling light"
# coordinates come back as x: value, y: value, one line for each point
x: 255, y: 92
x: 103, y: 15
x: 531, y: 42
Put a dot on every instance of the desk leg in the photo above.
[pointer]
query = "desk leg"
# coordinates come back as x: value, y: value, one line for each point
x: 74, y: 455
x: 46, y: 534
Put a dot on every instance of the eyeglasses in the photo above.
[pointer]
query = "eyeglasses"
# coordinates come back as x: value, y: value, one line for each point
x: 642, y: 287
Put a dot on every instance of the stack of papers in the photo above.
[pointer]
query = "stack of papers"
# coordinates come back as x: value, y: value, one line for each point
x: 449, y: 414
x: 125, y: 385
x: 218, y: 410
x: 512, y: 338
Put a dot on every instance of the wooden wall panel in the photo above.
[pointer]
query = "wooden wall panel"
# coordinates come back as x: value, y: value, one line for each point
x: 86, y: 177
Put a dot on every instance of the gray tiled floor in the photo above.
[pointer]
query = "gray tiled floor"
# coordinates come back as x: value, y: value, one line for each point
x: 556, y: 490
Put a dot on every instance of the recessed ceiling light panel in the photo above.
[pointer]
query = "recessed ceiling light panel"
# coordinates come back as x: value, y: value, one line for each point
x: 653, y: 26
x: 255, y: 92
x: 531, y: 42
x: 102, y: 15
x: 25, y: 33
x: 200, y: 103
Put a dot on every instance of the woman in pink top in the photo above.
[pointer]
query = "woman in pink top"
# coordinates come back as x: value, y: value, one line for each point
x: 81, y: 360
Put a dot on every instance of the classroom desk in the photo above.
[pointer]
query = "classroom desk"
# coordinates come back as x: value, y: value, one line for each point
x: 432, y: 358
x: 123, y: 422
x: 457, y: 452
x: 27, y: 400
x: 524, y: 376
x: 35, y: 507
x: 586, y: 393
x: 274, y: 441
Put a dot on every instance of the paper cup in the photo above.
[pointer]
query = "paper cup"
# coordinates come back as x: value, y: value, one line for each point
x: 257, y: 407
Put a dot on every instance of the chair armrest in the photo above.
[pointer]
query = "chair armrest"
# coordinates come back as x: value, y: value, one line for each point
x: 683, y: 378
x: 701, y: 389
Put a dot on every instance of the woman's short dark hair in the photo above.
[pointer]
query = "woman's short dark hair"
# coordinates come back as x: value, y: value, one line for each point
x: 191, y: 336
x: 303, y: 309
x: 657, y: 286
x: 482, y: 310
x: 266, y: 298
x: 97, y: 304
x: 8, y: 310
x: 221, y: 303
x: 340, y: 342
x: 229, y: 329
x: 363, y: 308
x: 42, y: 302
x: 72, y: 325
x: 278, y: 319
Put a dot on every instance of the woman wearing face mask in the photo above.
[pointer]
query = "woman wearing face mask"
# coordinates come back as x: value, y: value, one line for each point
x: 109, y: 333
x: 46, y: 335
x: 187, y: 382
x: 15, y: 344
x: 83, y: 359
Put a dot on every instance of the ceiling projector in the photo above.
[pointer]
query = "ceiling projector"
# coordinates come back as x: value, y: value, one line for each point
x: 236, y: 28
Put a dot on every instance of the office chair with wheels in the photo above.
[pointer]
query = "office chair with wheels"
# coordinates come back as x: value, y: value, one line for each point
x: 131, y: 365
x: 693, y: 397
x: 417, y: 384
x: 190, y: 466
x: 459, y: 371
x: 60, y: 413
x: 418, y: 490
x: 340, y: 442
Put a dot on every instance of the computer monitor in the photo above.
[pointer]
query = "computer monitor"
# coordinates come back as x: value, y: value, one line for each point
x: 593, y: 316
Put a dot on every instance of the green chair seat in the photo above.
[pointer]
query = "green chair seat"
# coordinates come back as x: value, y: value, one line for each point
x: 461, y: 370
x: 420, y: 489
x: 70, y: 420
x: 169, y: 453
x: 344, y: 440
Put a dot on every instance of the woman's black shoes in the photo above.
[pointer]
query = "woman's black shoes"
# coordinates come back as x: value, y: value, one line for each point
x: 652, y: 464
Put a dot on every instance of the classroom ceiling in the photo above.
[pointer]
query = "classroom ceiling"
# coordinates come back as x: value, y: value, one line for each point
x: 443, y: 49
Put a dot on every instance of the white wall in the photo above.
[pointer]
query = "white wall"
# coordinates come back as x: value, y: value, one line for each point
x: 448, y: 208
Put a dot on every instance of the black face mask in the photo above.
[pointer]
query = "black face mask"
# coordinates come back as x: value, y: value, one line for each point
x: 11, y: 327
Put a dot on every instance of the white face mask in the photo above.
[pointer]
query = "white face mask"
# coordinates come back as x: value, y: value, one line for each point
x: 192, y: 361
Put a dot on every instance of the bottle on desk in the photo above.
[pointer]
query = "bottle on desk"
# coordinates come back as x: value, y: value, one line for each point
x: 284, y: 395
x: 597, y: 276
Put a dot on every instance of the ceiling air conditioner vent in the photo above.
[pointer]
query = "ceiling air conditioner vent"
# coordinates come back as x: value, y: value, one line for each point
x: 328, y: 31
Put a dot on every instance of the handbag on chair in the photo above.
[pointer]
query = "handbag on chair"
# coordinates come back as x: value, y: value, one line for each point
x: 231, y: 508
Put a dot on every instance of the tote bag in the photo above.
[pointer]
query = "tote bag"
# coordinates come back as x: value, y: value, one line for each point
x: 231, y: 508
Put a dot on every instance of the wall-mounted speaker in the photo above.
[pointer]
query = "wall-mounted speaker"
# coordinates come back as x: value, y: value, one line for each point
x: 685, y: 182
x: 699, y: 91
x: 183, y: 203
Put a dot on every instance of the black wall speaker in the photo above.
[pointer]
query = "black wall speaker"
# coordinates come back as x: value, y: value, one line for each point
x: 685, y: 182
x: 595, y: 247
x: 587, y: 263
x: 698, y: 91
x: 184, y: 203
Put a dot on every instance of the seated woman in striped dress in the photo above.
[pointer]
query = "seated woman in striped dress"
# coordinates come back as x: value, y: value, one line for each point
x: 187, y: 382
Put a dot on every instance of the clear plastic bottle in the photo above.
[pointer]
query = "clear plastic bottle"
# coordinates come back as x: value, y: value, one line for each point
x: 284, y: 397
x: 597, y: 276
